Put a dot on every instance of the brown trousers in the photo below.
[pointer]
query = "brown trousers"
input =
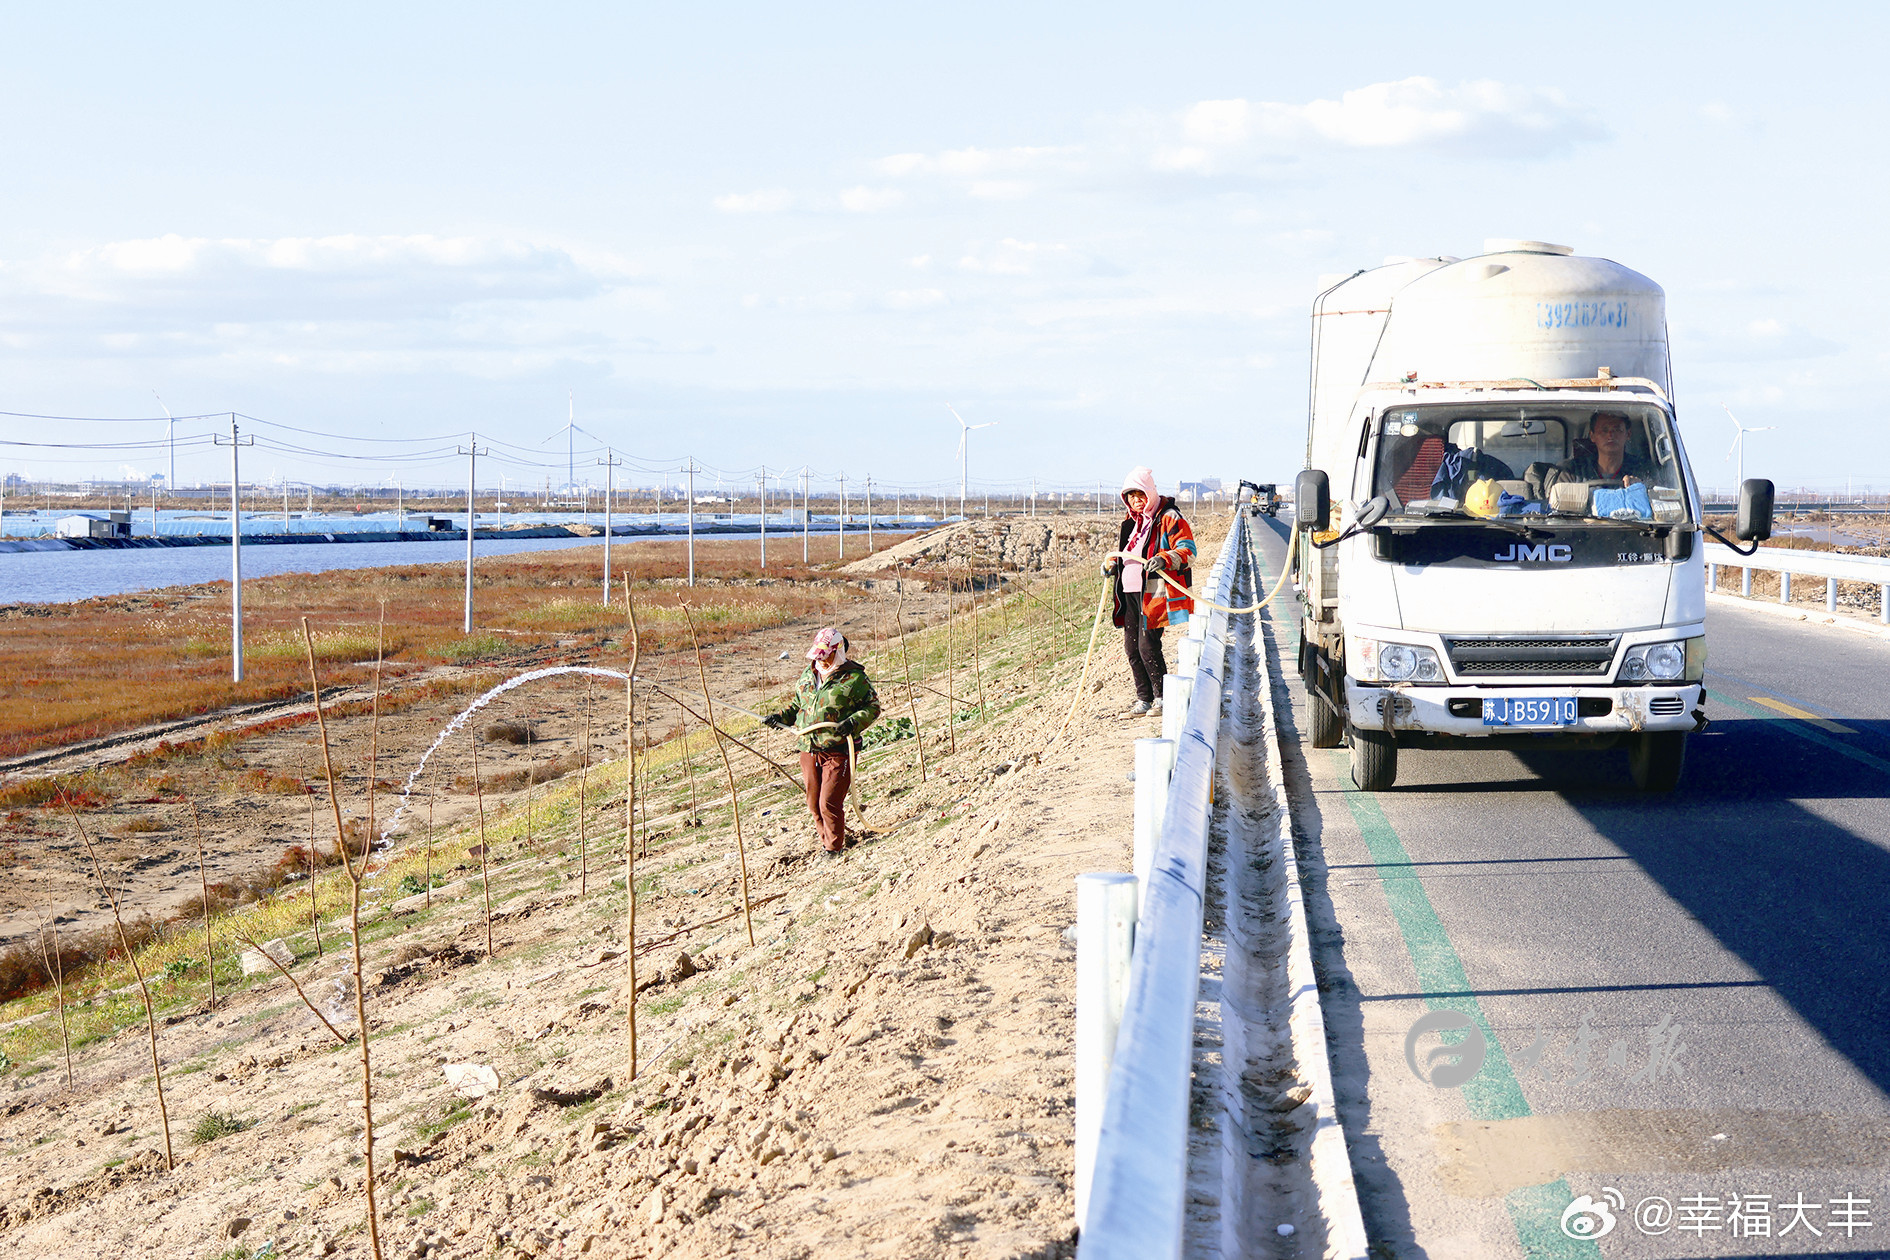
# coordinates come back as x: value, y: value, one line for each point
x: 827, y: 777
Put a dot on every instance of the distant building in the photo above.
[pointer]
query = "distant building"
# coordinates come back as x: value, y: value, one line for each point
x: 113, y: 525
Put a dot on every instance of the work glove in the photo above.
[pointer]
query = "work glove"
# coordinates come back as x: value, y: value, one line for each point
x: 1154, y: 564
x: 1111, y: 566
x: 775, y: 721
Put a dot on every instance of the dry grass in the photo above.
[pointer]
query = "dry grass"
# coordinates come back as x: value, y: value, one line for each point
x: 166, y: 653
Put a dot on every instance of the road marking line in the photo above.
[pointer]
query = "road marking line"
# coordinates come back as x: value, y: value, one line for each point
x: 1803, y: 731
x: 1790, y: 710
x: 1493, y: 1093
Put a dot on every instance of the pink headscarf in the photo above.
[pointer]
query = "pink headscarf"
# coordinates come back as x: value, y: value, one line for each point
x: 1142, y: 479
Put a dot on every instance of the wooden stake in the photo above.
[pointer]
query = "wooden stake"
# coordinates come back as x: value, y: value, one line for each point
x: 124, y: 940
x: 209, y: 959
x: 728, y: 767
x: 429, y: 848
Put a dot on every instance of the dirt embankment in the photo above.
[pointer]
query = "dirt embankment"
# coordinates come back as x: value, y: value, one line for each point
x: 884, y: 1071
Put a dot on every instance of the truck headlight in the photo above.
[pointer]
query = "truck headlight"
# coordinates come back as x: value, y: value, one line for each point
x: 1397, y: 662
x: 1657, y: 662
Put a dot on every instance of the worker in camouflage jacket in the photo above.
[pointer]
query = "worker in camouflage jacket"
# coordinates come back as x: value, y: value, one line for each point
x: 832, y: 689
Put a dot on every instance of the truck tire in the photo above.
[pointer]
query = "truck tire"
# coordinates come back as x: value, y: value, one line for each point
x: 1374, y: 760
x: 1328, y: 731
x: 1656, y: 759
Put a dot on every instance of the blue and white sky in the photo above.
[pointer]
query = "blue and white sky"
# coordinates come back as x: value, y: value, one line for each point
x: 791, y: 234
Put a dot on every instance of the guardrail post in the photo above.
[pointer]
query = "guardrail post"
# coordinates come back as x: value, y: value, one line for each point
x: 1830, y: 595
x: 1190, y: 660
x: 1745, y: 580
x: 1105, y: 940
x: 1712, y: 577
x: 1154, y: 763
x: 1177, y: 691
x: 1784, y: 586
x: 1883, y: 603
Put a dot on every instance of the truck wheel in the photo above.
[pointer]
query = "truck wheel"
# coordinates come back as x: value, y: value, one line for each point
x: 1656, y: 758
x: 1327, y: 730
x: 1374, y: 760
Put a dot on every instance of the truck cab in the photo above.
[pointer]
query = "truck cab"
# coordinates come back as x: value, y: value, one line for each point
x: 1514, y: 558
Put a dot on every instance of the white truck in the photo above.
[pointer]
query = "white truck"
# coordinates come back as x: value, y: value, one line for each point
x: 1500, y: 536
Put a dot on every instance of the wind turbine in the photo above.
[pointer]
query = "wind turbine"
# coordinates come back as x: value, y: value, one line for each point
x: 170, y: 478
x: 964, y: 456
x: 570, y: 431
x: 1739, y: 443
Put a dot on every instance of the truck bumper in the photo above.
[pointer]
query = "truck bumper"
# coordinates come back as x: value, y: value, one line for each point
x: 1458, y: 711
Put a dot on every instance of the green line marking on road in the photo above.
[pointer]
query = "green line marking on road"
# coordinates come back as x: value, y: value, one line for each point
x: 1801, y: 729
x: 1493, y: 1093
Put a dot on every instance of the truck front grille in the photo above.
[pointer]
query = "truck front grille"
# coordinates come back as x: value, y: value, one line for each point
x: 1531, y: 657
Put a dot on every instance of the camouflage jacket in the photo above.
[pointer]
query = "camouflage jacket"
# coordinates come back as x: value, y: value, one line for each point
x: 846, y: 697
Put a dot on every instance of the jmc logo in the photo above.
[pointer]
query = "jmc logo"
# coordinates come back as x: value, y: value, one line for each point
x: 1554, y: 553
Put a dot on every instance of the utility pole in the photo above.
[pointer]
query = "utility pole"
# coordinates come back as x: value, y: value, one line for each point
x: 235, y: 443
x: 807, y: 514
x: 472, y: 454
x: 762, y: 480
x: 843, y: 516
x: 691, y: 470
x: 610, y: 463
x: 400, y: 507
x: 869, y: 516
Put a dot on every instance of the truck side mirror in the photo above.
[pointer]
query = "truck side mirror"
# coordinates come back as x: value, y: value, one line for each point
x: 1754, y: 522
x: 1312, y: 499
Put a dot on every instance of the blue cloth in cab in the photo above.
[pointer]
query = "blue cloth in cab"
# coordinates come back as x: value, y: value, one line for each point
x: 1627, y: 503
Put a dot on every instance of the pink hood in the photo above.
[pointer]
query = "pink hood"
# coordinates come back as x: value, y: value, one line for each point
x: 1142, y: 479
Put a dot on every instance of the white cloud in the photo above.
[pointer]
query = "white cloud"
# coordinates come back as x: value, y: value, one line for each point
x: 976, y: 163
x: 1012, y: 257
x: 864, y: 200
x: 914, y: 299
x: 1482, y: 117
x: 766, y: 201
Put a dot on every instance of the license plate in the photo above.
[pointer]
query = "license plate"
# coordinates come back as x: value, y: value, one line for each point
x: 1530, y: 711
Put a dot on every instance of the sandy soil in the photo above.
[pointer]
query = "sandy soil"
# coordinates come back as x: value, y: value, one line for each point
x: 884, y: 1072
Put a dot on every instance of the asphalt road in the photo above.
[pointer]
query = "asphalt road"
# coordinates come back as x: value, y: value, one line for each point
x: 1683, y: 998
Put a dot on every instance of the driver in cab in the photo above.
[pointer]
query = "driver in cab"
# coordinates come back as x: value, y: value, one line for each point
x: 1608, y: 460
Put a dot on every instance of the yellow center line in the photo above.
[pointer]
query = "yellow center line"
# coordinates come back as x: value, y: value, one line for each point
x: 1793, y: 711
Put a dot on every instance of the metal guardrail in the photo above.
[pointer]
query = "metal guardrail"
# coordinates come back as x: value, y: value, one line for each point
x: 1832, y: 566
x: 1138, y: 1187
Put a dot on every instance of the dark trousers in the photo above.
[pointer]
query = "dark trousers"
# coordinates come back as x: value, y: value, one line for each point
x: 1143, y: 643
x: 827, y: 776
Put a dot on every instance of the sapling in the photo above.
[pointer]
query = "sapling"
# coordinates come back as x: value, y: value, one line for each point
x: 912, y: 699
x: 728, y: 767
x: 270, y: 958
x: 629, y: 816
x: 144, y: 990
x: 355, y: 876
x: 56, y: 972
x: 485, y: 869
x: 314, y: 912
x: 203, y: 878
x: 584, y: 779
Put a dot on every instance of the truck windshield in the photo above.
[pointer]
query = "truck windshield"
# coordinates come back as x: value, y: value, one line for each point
x: 1609, y: 460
